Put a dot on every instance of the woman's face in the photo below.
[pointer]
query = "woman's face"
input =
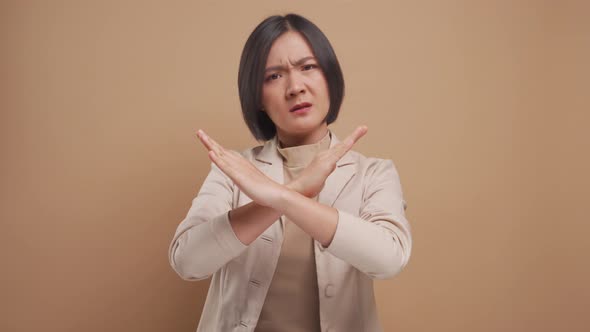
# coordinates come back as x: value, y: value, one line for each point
x: 293, y: 77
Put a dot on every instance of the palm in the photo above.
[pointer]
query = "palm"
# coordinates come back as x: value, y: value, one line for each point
x: 311, y: 180
x: 263, y: 190
x: 251, y: 181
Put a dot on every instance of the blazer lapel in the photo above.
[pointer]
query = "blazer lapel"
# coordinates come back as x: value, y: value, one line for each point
x: 272, y: 165
x: 270, y: 160
x: 341, y: 176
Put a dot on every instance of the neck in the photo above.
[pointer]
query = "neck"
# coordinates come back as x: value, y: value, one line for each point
x: 287, y: 141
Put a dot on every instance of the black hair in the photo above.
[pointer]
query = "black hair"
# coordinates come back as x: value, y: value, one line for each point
x: 253, y: 62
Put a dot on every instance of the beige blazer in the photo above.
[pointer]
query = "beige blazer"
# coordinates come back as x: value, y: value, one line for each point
x: 372, y: 241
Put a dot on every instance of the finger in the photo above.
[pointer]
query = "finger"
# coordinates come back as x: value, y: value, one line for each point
x: 237, y: 172
x: 211, y: 144
x: 215, y: 144
x: 221, y: 163
x: 203, y: 138
x: 341, y: 148
x: 359, y: 132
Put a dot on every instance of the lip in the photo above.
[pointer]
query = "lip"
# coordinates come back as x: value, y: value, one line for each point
x: 300, y: 106
x: 302, y: 110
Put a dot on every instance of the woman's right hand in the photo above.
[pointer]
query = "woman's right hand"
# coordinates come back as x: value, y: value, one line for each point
x: 311, y: 180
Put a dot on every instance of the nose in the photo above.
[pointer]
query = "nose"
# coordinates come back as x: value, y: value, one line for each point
x: 295, y: 86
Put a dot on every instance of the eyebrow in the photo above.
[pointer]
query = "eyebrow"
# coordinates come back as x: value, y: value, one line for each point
x: 297, y: 63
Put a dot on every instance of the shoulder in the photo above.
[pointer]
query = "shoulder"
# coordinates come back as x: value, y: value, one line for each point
x: 379, y: 175
x: 371, y: 166
x: 253, y: 152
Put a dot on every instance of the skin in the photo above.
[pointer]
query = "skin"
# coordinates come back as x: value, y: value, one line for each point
x: 293, y: 76
x: 290, y: 82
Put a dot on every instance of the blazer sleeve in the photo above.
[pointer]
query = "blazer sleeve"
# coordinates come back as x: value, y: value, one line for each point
x: 378, y: 242
x: 205, y: 241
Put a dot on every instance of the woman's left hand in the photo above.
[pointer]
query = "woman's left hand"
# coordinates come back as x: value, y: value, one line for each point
x: 255, y: 184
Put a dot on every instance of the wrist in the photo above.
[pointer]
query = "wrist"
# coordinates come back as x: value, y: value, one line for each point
x: 294, y: 185
x: 298, y: 187
x: 286, y: 195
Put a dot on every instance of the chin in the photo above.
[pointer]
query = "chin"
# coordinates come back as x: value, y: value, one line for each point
x: 303, y: 129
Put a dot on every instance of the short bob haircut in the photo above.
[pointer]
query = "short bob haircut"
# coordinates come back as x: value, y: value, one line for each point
x: 253, y: 63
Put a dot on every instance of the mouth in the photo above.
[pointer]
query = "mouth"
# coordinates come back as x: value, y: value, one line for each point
x: 301, y: 106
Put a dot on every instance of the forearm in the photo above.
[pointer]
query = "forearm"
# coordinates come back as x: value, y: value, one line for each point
x: 378, y: 245
x: 199, y: 234
x: 251, y: 220
x: 314, y: 218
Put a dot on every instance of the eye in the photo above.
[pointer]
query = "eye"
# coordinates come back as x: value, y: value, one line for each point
x: 310, y: 66
x: 272, y: 77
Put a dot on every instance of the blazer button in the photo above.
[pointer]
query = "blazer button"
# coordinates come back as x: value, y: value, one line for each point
x: 329, y: 290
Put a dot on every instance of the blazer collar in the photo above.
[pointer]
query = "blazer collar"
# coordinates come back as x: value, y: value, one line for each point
x: 272, y: 165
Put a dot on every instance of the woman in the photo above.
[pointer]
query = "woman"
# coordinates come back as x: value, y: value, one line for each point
x: 293, y: 231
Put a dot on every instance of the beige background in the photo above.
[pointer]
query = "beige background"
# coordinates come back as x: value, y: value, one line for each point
x: 482, y: 105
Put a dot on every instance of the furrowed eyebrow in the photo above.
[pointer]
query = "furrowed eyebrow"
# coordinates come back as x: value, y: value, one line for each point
x: 297, y: 63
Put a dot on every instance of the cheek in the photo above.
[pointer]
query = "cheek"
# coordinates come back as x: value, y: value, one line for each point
x: 269, y: 95
x: 322, y: 85
x: 264, y: 97
x: 326, y: 93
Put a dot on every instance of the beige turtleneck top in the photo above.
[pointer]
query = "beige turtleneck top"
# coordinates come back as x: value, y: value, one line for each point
x: 292, y: 303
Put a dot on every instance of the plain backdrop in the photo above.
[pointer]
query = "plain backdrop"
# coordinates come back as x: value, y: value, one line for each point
x: 482, y: 105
